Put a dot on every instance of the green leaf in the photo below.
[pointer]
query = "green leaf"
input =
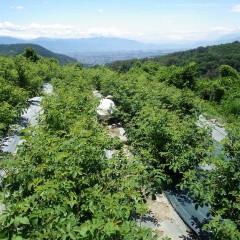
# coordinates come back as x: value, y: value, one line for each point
x: 18, y: 238
x: 24, y: 220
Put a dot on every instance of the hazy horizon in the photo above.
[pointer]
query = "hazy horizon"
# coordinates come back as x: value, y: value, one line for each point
x: 149, y: 21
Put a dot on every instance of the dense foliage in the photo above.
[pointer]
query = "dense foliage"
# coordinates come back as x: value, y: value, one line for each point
x: 159, y: 117
x: 60, y: 184
x: 20, y: 79
x: 160, y: 107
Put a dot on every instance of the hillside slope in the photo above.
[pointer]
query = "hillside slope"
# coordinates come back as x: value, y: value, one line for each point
x: 15, y: 49
x: 208, y: 59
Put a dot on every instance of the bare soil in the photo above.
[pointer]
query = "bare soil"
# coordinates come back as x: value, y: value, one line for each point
x: 169, y: 223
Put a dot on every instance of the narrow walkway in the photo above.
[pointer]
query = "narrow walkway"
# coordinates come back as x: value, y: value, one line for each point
x: 168, y: 224
x: 180, y: 199
x: 28, y: 118
x: 162, y: 217
x: 185, y: 207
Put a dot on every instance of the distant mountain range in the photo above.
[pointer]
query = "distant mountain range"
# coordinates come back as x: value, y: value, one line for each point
x: 99, y: 44
x: 92, y: 51
x: 15, y: 49
x: 102, y: 50
x: 104, y: 44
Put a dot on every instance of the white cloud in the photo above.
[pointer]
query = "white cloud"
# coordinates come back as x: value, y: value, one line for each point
x: 35, y: 30
x: 236, y: 8
x: 100, y: 10
x: 189, y: 36
x: 190, y: 5
x: 178, y: 36
x: 106, y: 32
x: 17, y: 8
x: 223, y: 30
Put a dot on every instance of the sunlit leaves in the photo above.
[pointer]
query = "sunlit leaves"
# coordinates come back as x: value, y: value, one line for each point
x: 62, y: 182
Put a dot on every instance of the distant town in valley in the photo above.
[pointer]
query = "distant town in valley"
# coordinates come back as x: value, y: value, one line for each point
x: 102, y: 58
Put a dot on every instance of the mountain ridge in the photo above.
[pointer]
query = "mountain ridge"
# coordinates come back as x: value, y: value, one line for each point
x: 18, y: 48
x: 62, y: 45
x: 100, y: 44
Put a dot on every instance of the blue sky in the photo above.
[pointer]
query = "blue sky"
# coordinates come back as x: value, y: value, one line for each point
x: 145, y: 20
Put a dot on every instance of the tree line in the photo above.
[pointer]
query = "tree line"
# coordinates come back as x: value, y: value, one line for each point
x: 208, y: 59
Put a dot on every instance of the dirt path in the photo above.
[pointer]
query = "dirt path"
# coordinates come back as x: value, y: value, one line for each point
x: 162, y: 217
x: 169, y: 223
